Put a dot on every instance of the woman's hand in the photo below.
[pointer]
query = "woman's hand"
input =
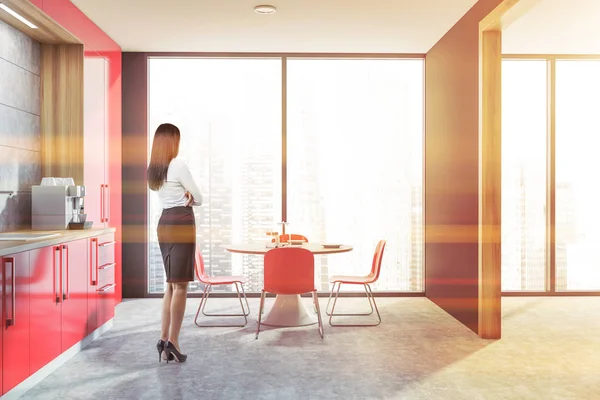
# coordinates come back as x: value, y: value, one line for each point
x: 190, y: 199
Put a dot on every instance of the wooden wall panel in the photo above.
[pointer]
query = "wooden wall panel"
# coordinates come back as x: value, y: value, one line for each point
x: 490, y: 184
x: 62, y: 110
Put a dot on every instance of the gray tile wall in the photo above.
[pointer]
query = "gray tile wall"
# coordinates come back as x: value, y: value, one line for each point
x: 20, y: 156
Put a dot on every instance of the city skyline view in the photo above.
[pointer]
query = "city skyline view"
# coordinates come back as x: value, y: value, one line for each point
x: 525, y: 211
x: 229, y: 113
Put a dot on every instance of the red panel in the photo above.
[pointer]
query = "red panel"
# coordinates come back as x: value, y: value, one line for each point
x: 74, y: 293
x: 15, y: 335
x: 94, y: 39
x: 115, y: 164
x: 45, y: 306
x: 75, y: 21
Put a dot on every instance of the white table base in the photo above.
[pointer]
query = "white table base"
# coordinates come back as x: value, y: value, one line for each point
x: 289, y: 310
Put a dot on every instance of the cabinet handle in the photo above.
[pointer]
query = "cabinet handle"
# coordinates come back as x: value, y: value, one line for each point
x: 65, y: 266
x: 11, y: 321
x: 106, y: 244
x: 107, y: 203
x: 93, y: 246
x: 107, y: 266
x: 57, y: 274
x: 107, y: 287
x: 97, y: 262
x: 102, y: 203
x: 11, y: 260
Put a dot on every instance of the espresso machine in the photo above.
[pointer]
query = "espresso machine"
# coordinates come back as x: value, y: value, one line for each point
x: 57, y: 204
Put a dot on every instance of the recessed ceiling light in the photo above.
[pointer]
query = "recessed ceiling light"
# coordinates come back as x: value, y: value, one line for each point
x: 265, y: 9
x: 17, y: 15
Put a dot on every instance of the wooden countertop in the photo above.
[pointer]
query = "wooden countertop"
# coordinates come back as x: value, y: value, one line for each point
x: 17, y: 246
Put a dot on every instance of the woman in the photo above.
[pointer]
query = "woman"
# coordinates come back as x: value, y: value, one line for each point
x: 177, y: 192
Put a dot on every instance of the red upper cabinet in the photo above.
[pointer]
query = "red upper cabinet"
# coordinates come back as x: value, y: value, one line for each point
x: 45, y: 306
x: 95, y: 138
x: 15, y: 319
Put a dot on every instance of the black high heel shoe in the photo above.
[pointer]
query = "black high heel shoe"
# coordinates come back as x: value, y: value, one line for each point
x: 173, y: 353
x: 160, y: 346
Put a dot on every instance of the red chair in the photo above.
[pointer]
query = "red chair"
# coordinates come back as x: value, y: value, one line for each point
x: 366, y: 281
x: 289, y: 270
x: 209, y: 281
x: 292, y: 236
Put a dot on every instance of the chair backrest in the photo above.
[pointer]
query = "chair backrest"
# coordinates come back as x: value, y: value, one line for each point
x: 377, y: 257
x: 289, y: 270
x: 200, y: 272
x: 292, y: 236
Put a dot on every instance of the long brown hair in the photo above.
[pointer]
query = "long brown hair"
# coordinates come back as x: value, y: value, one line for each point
x: 165, y: 147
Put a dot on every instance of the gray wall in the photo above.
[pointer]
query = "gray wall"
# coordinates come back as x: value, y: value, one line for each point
x: 20, y: 157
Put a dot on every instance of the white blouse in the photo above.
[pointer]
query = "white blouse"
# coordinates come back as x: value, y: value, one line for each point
x: 179, y: 180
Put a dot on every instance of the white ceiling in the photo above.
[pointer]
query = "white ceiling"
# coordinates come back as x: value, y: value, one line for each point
x: 335, y: 26
x: 556, y: 27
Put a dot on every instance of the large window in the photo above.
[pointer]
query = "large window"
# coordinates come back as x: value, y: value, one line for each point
x: 354, y: 149
x: 355, y: 164
x: 577, y: 166
x: 229, y: 114
x: 550, y: 134
x: 524, y: 165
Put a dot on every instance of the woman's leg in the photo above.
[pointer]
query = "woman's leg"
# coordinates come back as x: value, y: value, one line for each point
x: 177, y: 311
x: 166, y: 312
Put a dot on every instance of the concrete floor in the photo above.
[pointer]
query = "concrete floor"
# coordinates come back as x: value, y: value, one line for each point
x: 550, y: 350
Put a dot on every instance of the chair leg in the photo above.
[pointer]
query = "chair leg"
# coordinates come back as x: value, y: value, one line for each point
x: 204, y: 300
x: 262, y: 303
x: 375, y: 304
x: 247, y: 310
x: 352, y: 314
x: 316, y: 302
x: 372, y: 303
x: 330, y: 294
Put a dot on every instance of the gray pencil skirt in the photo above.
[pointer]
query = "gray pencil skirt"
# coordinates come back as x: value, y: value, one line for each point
x: 177, y: 240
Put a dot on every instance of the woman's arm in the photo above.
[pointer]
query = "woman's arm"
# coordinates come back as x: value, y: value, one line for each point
x: 187, y: 181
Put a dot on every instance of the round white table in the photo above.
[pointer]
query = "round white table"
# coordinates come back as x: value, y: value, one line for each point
x: 288, y: 309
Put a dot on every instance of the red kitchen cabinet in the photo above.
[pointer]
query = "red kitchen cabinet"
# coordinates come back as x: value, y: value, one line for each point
x: 106, y: 302
x: 74, y: 292
x: 101, y: 289
x: 95, y: 139
x: 45, y: 306
x: 51, y: 299
x: 15, y: 319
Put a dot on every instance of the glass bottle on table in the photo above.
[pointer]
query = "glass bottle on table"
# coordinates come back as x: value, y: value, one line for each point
x: 283, y: 225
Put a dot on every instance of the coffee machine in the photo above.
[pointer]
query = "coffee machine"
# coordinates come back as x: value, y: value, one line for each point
x: 57, y: 204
